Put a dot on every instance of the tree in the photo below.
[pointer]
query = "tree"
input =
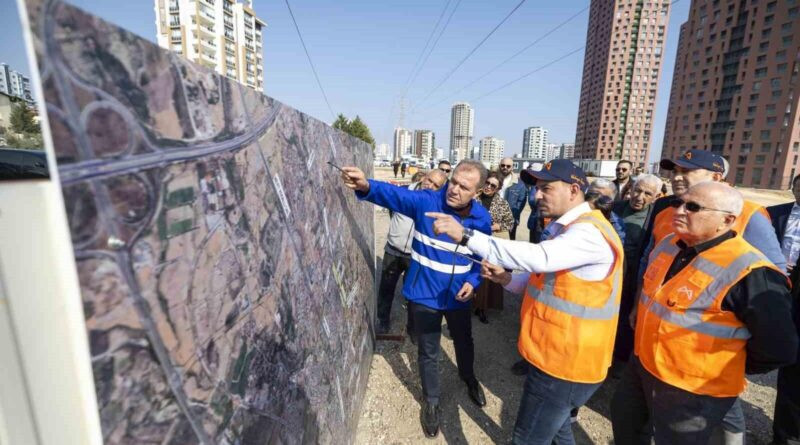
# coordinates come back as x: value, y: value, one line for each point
x: 23, y: 120
x: 342, y: 123
x: 356, y: 128
x: 360, y: 130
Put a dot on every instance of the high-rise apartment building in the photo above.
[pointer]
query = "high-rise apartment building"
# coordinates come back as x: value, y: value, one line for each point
x: 462, y: 122
x: 492, y: 150
x: 735, y: 89
x: 403, y: 142
x: 423, y: 144
x: 14, y: 84
x: 382, y: 151
x: 621, y: 67
x: 220, y: 34
x: 566, y: 151
x: 534, y: 143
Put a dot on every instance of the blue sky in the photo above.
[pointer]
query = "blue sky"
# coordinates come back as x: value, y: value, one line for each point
x: 364, y: 51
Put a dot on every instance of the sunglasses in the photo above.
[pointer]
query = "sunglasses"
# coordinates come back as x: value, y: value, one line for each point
x: 446, y: 170
x: 693, y: 207
x: 622, y: 169
x: 504, y: 165
x: 491, y: 185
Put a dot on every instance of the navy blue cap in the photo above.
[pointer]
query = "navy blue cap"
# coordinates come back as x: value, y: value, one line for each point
x: 695, y: 159
x: 557, y: 170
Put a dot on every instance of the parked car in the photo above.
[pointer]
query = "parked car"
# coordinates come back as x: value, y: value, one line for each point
x: 23, y: 164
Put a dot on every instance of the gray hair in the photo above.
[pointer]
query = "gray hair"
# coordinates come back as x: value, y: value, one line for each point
x: 474, y: 165
x: 437, y: 172
x: 723, y: 196
x: 649, y: 179
x: 602, y: 183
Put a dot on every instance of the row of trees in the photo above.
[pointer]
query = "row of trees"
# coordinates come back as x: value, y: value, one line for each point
x: 355, y: 127
x: 24, y: 131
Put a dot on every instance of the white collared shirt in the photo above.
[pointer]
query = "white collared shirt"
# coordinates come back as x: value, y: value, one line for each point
x: 581, y: 248
x: 791, y: 237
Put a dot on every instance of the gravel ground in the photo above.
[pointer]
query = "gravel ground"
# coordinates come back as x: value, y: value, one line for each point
x: 390, y: 411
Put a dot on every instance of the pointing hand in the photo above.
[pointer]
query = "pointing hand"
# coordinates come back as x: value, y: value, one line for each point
x: 355, y: 179
x: 444, y: 223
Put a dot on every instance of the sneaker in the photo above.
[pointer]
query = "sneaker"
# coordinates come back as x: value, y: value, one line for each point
x: 573, y: 416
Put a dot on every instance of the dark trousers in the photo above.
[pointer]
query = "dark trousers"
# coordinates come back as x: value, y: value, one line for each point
x: 786, y: 426
x: 428, y: 329
x: 393, y: 267
x: 512, y: 234
x: 544, y: 412
x: 645, y: 407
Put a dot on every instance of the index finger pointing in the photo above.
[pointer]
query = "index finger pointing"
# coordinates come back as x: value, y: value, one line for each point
x: 436, y: 215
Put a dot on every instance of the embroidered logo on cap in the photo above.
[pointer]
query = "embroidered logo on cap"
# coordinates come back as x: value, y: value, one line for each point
x: 688, y: 155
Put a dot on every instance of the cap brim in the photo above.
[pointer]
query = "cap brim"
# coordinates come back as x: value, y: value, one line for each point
x: 527, y: 177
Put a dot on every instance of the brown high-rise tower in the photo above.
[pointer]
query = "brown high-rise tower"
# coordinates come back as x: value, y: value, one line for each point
x: 621, y: 67
x: 735, y: 90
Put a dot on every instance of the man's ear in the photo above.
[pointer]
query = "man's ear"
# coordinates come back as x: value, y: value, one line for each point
x: 729, y: 219
x: 717, y: 177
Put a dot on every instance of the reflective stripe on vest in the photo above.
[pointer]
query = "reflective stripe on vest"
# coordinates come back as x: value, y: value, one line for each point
x: 568, y: 324
x: 684, y: 337
x: 547, y: 295
x: 693, y: 321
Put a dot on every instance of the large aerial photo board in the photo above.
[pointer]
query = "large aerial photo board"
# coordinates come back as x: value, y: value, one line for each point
x: 226, y: 274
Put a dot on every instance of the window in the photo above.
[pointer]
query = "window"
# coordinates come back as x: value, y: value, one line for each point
x: 756, y: 176
x: 766, y: 147
x: 765, y: 134
x: 761, y: 72
x: 756, y: 85
x: 775, y: 83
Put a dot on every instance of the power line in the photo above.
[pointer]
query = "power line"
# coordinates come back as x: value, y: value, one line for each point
x: 528, y: 74
x: 424, y: 48
x: 512, y: 57
x: 435, y: 42
x: 449, y: 74
x: 310, y: 62
x: 562, y: 57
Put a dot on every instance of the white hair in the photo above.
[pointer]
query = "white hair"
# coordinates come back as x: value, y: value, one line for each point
x: 649, y: 179
x: 602, y: 183
x: 722, y: 196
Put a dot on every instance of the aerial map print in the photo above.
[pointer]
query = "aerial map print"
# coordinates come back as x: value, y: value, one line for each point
x: 226, y: 274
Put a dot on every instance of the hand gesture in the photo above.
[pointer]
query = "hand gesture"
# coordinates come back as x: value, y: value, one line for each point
x: 465, y: 293
x: 355, y: 179
x: 444, y: 223
x: 495, y: 273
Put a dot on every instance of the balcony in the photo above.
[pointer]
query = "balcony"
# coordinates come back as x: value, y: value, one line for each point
x: 207, y: 15
x: 208, y: 30
x: 208, y: 58
x: 173, y: 7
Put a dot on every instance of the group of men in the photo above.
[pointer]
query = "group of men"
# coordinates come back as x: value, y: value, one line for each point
x: 703, y: 278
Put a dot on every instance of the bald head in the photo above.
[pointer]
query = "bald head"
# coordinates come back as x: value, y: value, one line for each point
x: 707, y: 210
x: 720, y: 195
x: 506, y: 167
x: 434, y: 180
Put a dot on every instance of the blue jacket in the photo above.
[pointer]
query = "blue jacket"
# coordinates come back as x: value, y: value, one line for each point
x: 435, y: 274
x: 534, y: 211
x: 517, y: 196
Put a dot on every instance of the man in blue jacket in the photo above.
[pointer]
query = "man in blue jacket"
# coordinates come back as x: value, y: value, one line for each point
x: 441, y: 278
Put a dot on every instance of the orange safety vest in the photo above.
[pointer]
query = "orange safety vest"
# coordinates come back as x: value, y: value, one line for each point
x: 683, y: 336
x: 662, y: 224
x: 569, y: 324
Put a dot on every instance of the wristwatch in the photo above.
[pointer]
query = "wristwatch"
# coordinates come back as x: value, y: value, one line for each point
x: 465, y: 236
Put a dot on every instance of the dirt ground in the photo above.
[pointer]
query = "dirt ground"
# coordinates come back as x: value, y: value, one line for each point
x: 390, y: 411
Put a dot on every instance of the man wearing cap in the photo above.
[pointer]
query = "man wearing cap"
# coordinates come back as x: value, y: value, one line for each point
x: 571, y: 282
x: 694, y: 167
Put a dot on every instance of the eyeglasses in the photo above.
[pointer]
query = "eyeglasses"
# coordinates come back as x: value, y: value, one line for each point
x: 446, y: 170
x: 694, y: 207
x: 491, y: 185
